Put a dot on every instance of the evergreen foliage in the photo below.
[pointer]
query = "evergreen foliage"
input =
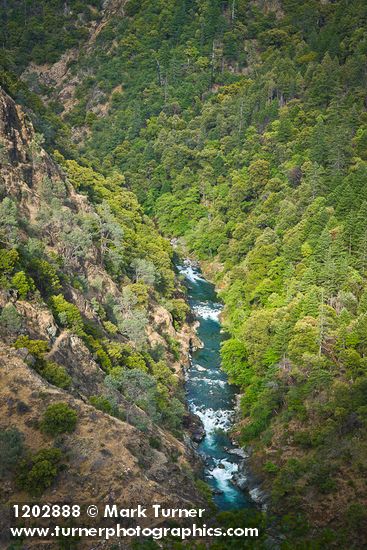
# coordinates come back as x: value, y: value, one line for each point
x: 37, y: 472
x: 59, y: 418
x: 240, y: 126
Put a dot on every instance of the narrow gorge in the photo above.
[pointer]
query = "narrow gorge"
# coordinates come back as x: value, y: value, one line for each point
x: 233, y: 132
x: 211, y: 397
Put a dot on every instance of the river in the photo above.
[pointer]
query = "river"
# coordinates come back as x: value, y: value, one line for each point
x: 209, y: 394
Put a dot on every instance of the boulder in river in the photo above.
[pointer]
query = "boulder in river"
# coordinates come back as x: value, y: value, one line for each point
x: 238, y: 452
x: 195, y: 427
x: 198, y: 436
x: 240, y: 480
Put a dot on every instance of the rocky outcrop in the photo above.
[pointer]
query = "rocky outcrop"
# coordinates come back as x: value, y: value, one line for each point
x: 162, y: 325
x: 25, y: 165
x: 59, y: 77
x: 195, y: 426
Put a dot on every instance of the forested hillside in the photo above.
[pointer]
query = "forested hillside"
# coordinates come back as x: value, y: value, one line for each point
x: 94, y: 332
x: 241, y: 128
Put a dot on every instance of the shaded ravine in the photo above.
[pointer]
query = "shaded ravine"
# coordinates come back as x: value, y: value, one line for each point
x: 209, y: 394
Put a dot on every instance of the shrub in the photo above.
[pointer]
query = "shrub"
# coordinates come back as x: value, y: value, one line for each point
x: 179, y: 310
x: 303, y: 439
x: 45, y: 274
x: 91, y: 328
x: 356, y: 515
x: 11, y: 449
x: 205, y: 491
x: 56, y: 375
x: 116, y: 351
x: 22, y: 284
x: 103, y: 359
x: 162, y: 373
x: 52, y: 372
x: 59, y: 418
x: 155, y: 442
x: 173, y: 345
x: 103, y: 404
x: 36, y: 473
x: 8, y: 259
x: 99, y: 354
x: 107, y: 405
x: 157, y: 352
x: 173, y: 411
x: 136, y: 361
x: 67, y: 314
x: 328, y: 485
x: 36, y: 347
x: 270, y: 467
x: 323, y: 476
x: 10, y: 320
x: 141, y: 292
x: 110, y: 327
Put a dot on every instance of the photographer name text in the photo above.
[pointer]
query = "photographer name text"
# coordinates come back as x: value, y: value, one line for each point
x: 113, y: 511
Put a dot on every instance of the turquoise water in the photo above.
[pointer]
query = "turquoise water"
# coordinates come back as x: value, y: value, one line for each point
x: 209, y: 394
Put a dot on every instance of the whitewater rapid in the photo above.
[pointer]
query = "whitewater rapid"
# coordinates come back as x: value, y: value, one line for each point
x: 210, y: 396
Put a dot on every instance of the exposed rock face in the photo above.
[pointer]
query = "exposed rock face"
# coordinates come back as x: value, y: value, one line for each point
x: 270, y: 6
x: 195, y: 426
x: 59, y: 77
x: 25, y: 165
x: 162, y: 323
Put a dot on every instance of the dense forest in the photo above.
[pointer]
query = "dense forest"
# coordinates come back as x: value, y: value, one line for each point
x: 238, y: 127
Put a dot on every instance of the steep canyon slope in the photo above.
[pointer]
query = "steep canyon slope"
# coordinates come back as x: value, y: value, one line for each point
x: 241, y: 128
x: 60, y: 346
